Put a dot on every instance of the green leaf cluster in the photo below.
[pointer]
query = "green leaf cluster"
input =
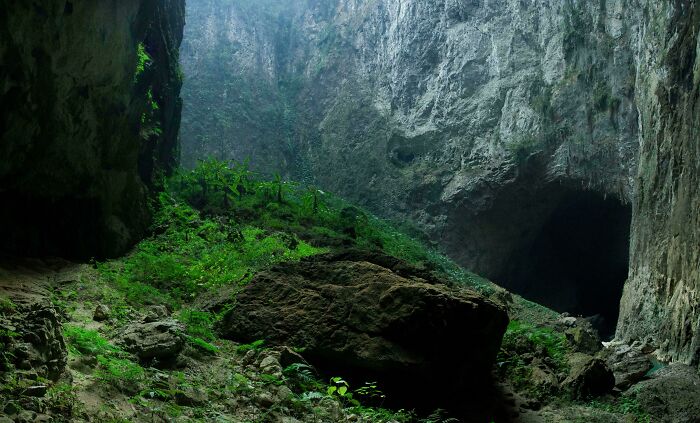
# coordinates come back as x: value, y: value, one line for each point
x: 143, y: 59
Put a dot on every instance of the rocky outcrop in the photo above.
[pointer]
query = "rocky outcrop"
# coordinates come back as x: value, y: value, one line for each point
x: 154, y: 342
x: 629, y: 363
x: 589, y: 377
x: 475, y: 119
x: 352, y: 316
x: 82, y: 136
x: 663, y: 292
x: 32, y: 342
x: 672, y: 395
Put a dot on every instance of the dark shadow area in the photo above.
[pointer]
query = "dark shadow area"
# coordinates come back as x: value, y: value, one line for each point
x: 578, y: 261
x: 40, y: 227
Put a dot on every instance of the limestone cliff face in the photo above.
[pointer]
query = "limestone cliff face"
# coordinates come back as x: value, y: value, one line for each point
x: 472, y: 118
x: 662, y: 296
x: 81, y: 141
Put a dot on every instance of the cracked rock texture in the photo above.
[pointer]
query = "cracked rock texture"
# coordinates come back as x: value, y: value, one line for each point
x: 75, y: 165
x: 662, y: 297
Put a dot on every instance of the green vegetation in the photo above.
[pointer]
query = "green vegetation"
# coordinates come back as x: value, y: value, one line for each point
x: 214, y: 228
x: 7, y: 306
x: 522, y: 339
x: 115, y: 366
x: 202, y: 345
x: 6, y: 357
x: 120, y: 372
x: 62, y: 399
x: 255, y: 345
x: 150, y: 123
x: 198, y: 323
x: 218, y: 225
x: 85, y: 341
x: 143, y: 59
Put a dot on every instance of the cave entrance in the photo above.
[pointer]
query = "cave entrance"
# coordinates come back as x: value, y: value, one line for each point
x: 578, y: 261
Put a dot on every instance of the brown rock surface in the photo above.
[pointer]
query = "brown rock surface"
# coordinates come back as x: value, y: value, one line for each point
x: 371, y: 321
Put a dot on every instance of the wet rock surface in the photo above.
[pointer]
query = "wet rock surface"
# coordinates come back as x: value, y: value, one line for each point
x: 31, y: 329
x: 630, y: 364
x: 581, y: 335
x: 661, y: 295
x: 356, y: 317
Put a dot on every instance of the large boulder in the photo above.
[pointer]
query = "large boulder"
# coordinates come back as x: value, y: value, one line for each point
x: 157, y: 342
x: 671, y: 395
x: 630, y: 364
x: 372, y: 317
x: 588, y: 377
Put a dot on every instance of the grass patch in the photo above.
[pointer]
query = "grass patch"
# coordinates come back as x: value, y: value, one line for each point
x: 86, y: 341
x: 115, y: 367
x: 255, y: 345
x: 202, y: 345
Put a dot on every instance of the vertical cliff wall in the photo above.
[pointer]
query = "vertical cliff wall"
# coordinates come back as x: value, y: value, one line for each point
x: 516, y: 132
x: 479, y: 121
x: 82, y: 136
x: 662, y: 297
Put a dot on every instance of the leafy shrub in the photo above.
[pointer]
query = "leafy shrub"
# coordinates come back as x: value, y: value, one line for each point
x: 301, y: 378
x: 62, y: 399
x: 202, y: 345
x: 198, y: 323
x: 7, y: 306
x: 338, y: 386
x: 86, y: 341
x: 519, y: 340
x: 143, y: 59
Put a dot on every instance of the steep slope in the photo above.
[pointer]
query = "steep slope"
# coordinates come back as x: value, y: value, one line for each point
x: 662, y: 296
x: 82, y: 136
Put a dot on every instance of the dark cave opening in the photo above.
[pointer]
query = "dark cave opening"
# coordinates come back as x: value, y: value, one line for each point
x: 578, y: 261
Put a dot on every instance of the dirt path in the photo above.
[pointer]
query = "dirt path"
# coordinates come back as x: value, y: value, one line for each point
x: 27, y: 281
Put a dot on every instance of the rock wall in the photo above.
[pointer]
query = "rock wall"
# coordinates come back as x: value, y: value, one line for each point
x: 474, y: 119
x: 82, y: 137
x: 662, y: 297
